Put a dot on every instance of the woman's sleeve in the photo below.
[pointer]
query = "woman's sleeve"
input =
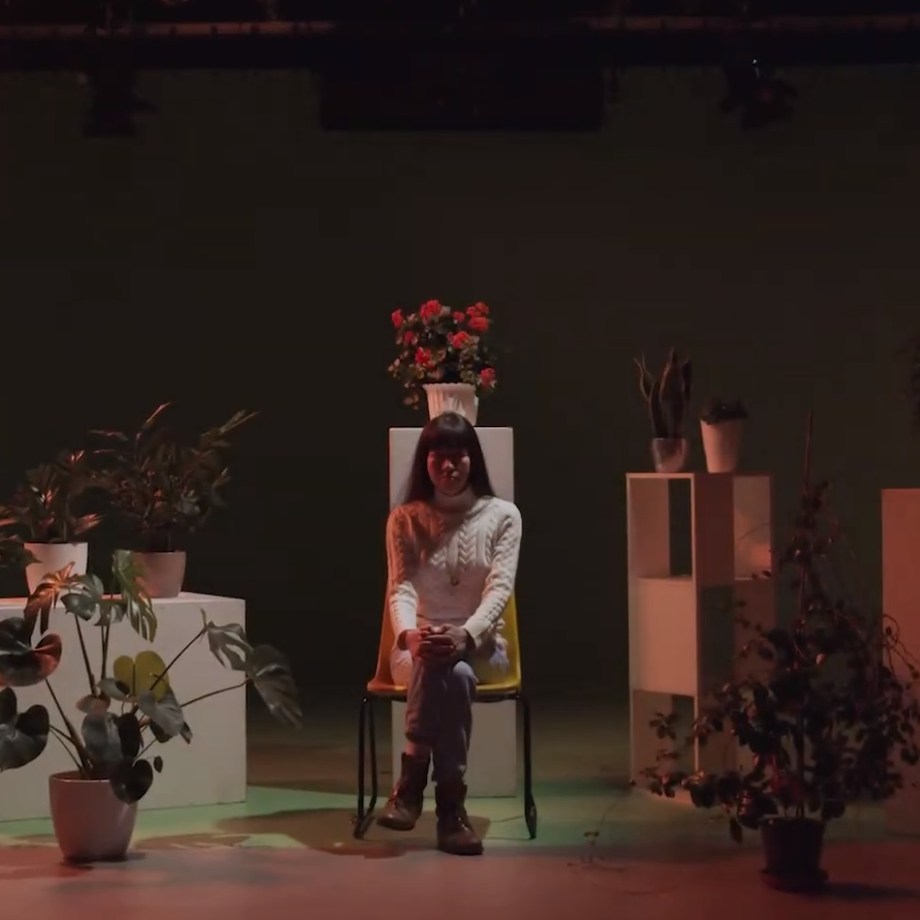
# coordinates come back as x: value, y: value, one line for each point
x: 401, y: 562
x: 500, y: 580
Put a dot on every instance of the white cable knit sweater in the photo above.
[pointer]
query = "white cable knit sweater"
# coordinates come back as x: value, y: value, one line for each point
x: 452, y: 562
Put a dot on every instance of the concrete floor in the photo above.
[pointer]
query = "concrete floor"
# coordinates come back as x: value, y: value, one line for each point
x: 601, y: 849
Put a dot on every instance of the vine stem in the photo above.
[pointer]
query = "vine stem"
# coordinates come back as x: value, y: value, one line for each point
x: 61, y: 737
x: 205, y: 696
x: 89, y: 668
x: 74, y: 738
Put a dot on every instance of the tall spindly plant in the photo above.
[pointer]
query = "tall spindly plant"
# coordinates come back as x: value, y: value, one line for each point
x: 831, y: 715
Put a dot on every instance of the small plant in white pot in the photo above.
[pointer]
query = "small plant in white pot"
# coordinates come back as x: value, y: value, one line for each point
x: 162, y: 491
x: 722, y: 427
x: 130, y: 704
x: 668, y: 398
x: 52, y: 509
x: 444, y: 355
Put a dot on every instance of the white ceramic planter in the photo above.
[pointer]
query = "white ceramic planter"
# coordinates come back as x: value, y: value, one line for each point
x: 722, y: 444
x: 52, y: 557
x: 91, y: 824
x: 452, y: 397
x: 161, y: 574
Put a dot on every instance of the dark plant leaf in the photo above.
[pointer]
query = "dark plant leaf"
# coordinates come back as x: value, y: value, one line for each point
x: 228, y: 642
x: 131, y: 781
x: 165, y: 714
x: 271, y: 676
x: 129, y: 734
x: 158, y: 764
x: 15, y: 635
x: 23, y: 737
x: 100, y: 735
x: 80, y: 605
x: 30, y: 668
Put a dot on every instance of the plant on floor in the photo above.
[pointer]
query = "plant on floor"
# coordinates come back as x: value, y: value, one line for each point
x: 824, y: 723
x: 438, y: 344
x: 160, y: 489
x: 719, y: 410
x: 130, y: 704
x: 50, y: 504
x: 667, y: 396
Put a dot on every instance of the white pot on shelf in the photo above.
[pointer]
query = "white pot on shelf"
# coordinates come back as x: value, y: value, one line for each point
x: 52, y: 557
x: 722, y: 444
x: 452, y: 397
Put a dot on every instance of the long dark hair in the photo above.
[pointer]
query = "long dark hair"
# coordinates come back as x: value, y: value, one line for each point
x: 450, y: 431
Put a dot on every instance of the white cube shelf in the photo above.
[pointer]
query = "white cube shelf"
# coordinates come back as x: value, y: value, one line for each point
x: 900, y: 595
x: 493, y: 761
x: 683, y: 636
x: 210, y: 770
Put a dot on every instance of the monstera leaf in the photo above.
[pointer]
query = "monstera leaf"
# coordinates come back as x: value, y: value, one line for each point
x: 165, y: 715
x: 26, y: 668
x: 45, y: 596
x: 134, y: 601
x: 22, y: 736
x: 228, y: 642
x: 135, y: 676
x: 271, y: 676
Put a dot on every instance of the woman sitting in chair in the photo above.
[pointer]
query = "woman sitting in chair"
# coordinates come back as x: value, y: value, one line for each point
x: 452, y: 554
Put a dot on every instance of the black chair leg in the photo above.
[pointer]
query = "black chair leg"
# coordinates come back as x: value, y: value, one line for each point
x: 365, y: 720
x: 530, y: 806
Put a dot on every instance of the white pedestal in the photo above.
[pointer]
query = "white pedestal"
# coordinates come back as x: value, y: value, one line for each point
x: 210, y: 770
x: 900, y: 590
x: 492, y: 768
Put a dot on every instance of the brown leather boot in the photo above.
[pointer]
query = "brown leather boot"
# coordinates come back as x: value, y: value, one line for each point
x: 455, y: 833
x: 404, y: 805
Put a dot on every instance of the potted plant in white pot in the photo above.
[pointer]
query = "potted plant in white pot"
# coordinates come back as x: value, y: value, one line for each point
x: 162, y: 491
x: 52, y: 508
x: 823, y: 723
x: 444, y: 354
x: 722, y: 428
x: 668, y: 397
x: 129, y: 706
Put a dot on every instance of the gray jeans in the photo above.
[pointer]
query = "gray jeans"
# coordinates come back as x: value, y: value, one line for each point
x: 439, y: 702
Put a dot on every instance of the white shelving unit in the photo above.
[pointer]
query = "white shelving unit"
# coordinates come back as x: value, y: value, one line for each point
x: 900, y: 595
x: 696, y: 542
x: 492, y: 770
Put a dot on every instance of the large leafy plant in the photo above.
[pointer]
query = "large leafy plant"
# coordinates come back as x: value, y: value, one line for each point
x: 49, y: 506
x: 826, y: 719
x: 131, y: 704
x: 163, y: 490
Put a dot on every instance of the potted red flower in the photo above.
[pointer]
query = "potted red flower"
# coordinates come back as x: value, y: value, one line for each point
x: 444, y: 354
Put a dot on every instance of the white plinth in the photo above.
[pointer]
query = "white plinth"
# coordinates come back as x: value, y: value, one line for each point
x: 210, y: 770
x: 900, y: 590
x: 497, y: 447
x: 492, y: 768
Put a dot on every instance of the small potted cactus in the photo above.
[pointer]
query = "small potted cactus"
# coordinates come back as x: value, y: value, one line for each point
x: 722, y: 427
x: 668, y: 397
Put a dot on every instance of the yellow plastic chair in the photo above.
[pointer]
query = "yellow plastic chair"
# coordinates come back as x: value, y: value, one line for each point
x: 382, y: 687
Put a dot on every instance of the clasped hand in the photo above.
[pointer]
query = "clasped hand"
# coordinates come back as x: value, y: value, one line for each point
x: 438, y: 644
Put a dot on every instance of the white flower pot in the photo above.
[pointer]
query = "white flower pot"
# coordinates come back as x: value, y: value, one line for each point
x: 452, y: 397
x: 91, y: 823
x: 722, y: 444
x: 52, y: 557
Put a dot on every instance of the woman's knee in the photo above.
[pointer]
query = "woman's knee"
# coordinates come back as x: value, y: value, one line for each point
x: 462, y: 676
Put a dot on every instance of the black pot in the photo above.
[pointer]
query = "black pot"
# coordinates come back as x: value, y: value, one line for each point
x: 792, y: 850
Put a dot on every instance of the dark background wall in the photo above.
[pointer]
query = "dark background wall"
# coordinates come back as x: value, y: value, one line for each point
x: 238, y: 256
